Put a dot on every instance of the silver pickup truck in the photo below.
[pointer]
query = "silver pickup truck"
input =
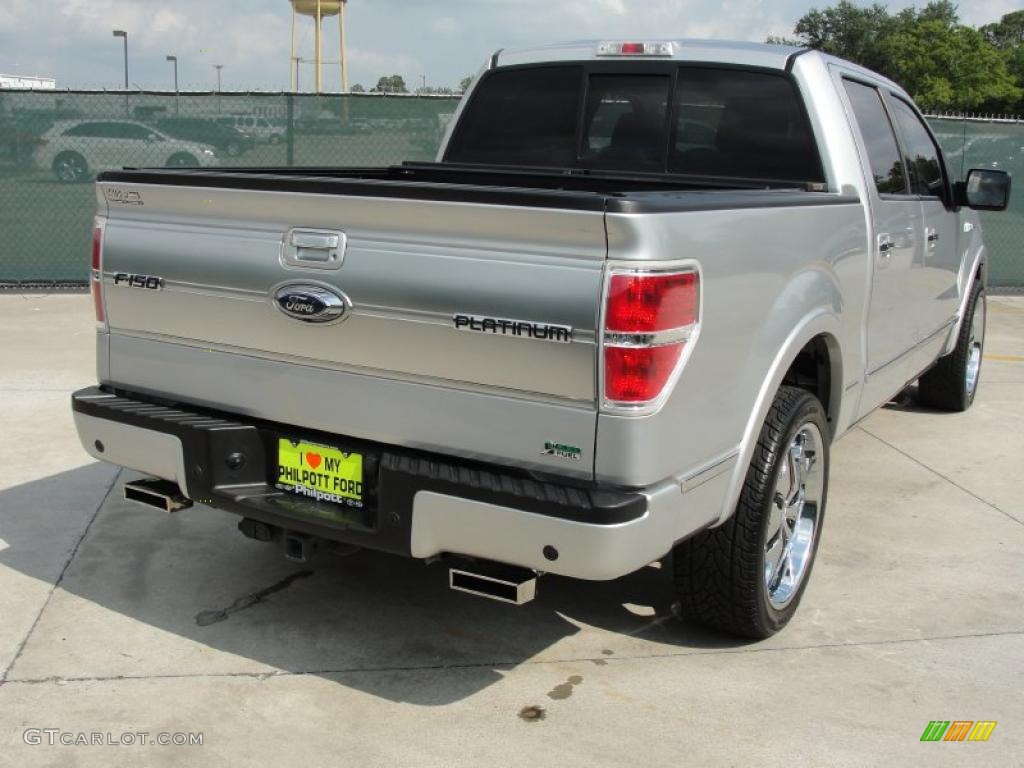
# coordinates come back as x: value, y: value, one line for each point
x: 625, y: 314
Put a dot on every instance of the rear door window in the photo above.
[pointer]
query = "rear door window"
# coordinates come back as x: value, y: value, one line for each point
x: 879, y: 138
x: 922, y: 156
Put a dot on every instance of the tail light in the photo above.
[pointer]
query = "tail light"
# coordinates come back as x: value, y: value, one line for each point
x: 651, y: 319
x: 96, y: 276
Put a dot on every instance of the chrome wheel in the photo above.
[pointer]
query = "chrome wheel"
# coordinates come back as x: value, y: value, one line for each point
x: 182, y: 160
x: 974, y: 346
x: 793, y: 515
x: 70, y: 167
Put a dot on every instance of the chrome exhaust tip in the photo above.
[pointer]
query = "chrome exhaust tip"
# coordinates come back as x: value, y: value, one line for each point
x: 506, y: 584
x: 159, y: 494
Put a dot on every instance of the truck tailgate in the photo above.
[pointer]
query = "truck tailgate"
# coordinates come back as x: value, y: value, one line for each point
x: 396, y: 370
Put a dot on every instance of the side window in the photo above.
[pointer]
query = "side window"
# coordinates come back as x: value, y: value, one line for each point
x: 879, y: 139
x: 106, y: 130
x: 84, y: 129
x: 922, y: 156
x: 127, y: 131
x: 625, y: 122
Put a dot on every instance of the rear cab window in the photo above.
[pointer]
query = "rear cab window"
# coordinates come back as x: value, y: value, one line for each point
x: 695, y: 120
x: 521, y: 117
x: 624, y: 122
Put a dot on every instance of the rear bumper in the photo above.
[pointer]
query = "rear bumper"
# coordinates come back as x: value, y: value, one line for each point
x: 418, y: 505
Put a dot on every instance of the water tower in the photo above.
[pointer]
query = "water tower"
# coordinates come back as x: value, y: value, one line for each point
x: 319, y: 10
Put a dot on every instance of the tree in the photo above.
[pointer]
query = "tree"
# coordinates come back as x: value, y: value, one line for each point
x: 358, y: 88
x: 464, y: 83
x: 942, y: 63
x: 1007, y: 35
x: 847, y: 31
x: 392, y: 84
x: 949, y: 66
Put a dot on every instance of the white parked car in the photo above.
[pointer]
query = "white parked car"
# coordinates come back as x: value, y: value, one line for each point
x: 77, y: 149
x: 259, y: 128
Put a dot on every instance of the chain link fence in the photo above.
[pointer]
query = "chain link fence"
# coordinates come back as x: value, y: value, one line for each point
x: 979, y: 142
x: 52, y: 143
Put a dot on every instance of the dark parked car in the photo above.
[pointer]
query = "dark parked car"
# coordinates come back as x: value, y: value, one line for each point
x: 228, y: 140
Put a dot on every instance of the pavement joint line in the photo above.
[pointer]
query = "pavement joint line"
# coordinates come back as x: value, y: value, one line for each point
x: 261, y: 676
x: 1004, y: 309
x: 1005, y: 358
x: 60, y: 578
x: 938, y: 474
x: 36, y: 389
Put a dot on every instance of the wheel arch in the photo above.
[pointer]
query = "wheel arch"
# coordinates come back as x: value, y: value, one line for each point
x: 814, y: 341
x: 973, y: 271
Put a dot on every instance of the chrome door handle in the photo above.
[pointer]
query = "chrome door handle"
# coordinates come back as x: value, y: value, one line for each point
x: 885, y: 248
x: 933, y: 237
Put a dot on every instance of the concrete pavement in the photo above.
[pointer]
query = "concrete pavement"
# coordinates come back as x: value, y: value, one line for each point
x: 114, y: 619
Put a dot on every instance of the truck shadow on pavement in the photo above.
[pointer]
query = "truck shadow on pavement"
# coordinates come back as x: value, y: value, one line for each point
x: 203, y: 600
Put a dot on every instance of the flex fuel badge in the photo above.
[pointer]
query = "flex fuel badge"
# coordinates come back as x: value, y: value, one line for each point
x: 562, y: 451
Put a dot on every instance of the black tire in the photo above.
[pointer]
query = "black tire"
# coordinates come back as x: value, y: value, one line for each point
x: 70, y: 168
x: 234, y: 149
x: 720, y: 574
x: 952, y: 382
x: 182, y: 160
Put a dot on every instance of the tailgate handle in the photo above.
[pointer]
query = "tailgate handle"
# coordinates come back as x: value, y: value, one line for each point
x: 314, y: 249
x: 314, y: 240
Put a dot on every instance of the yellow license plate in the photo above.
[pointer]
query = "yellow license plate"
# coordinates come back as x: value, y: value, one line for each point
x: 320, y: 472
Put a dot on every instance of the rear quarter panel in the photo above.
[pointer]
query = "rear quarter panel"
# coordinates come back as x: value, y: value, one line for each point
x: 771, y: 279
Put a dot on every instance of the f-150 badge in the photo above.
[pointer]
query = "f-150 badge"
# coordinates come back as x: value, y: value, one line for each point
x: 521, y: 328
x: 132, y: 280
x: 122, y: 196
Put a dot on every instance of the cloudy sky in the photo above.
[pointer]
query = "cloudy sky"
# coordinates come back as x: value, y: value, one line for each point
x: 443, y: 40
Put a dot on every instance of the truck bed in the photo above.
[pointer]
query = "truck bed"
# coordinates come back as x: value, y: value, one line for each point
x: 570, y: 189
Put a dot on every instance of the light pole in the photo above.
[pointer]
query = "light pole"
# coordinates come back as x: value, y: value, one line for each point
x: 123, y: 34
x: 177, y: 106
x: 175, y: 60
x: 218, y: 67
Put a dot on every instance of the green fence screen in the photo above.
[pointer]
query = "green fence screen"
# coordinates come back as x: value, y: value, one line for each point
x: 53, y: 142
x: 991, y: 143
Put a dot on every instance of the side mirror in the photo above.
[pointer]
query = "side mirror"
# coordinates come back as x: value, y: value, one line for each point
x: 984, y: 190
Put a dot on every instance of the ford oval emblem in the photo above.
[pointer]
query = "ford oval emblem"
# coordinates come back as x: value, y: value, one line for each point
x: 311, y: 303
